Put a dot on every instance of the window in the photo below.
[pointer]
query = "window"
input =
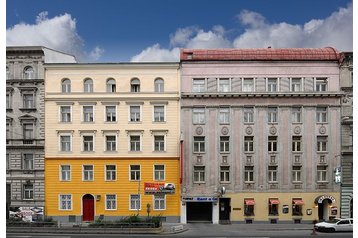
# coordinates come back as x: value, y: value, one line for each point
x: 249, y: 207
x: 296, y: 114
x: 8, y: 133
x: 88, y: 85
x: 28, y: 191
x: 134, y: 143
x: 321, y: 114
x: 297, y: 207
x: 272, y: 85
x: 28, y: 100
x: 249, y: 174
x: 134, y: 202
x: 28, y: 73
x: 322, y: 174
x: 65, y: 172
x: 248, y: 144
x: 272, y: 144
x: 224, y: 174
x: 159, y: 144
x: 7, y: 73
x: 87, y: 173
x: 28, y: 130
x: 111, y: 172
x: 272, y: 114
x: 199, y: 85
x: 135, y: 85
x: 111, y: 202
x: 321, y: 143
x: 159, y: 202
x: 66, y: 86
x: 199, y: 115
x: 296, y: 173
x: 296, y: 84
x: 321, y: 84
x: 296, y: 143
x: 159, y: 114
x: 159, y: 85
x: 199, y: 174
x: 111, y: 115
x: 224, y: 144
x: 65, y: 112
x: 111, y: 86
x: 88, y: 113
x: 159, y: 172
x: 273, y: 207
x: 111, y: 143
x: 272, y: 174
x: 65, y: 143
x: 88, y: 143
x: 8, y: 101
x: 134, y: 113
x: 65, y: 202
x: 199, y: 144
x: 224, y: 115
x: 248, y: 115
x: 248, y: 85
x: 7, y: 161
x: 135, y: 172
x: 28, y: 161
x: 224, y: 85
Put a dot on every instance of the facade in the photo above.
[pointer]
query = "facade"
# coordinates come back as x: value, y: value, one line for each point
x: 112, y: 141
x: 261, y: 135
x: 25, y: 124
x: 346, y: 83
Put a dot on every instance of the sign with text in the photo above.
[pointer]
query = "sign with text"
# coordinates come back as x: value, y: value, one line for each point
x: 153, y: 188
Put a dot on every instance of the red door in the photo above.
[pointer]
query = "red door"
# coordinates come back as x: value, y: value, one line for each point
x: 88, y: 207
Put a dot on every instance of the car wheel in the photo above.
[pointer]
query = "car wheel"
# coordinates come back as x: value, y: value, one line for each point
x: 331, y: 230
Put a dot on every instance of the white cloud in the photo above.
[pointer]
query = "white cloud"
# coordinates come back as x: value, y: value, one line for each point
x: 335, y: 30
x: 57, y: 33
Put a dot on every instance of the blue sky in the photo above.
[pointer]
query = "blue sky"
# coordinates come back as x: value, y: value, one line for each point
x: 143, y: 30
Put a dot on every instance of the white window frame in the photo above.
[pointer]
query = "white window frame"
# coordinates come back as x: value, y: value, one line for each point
x: 296, y: 113
x: 322, y: 142
x: 244, y: 86
x: 200, y: 173
x: 164, y: 113
x: 224, y: 115
x: 199, y: 116
x: 225, y: 143
x: 60, y: 113
x: 320, y: 82
x: 83, y: 173
x: 160, y: 172
x: 294, y: 84
x: 86, y: 88
x: 32, y: 161
x: 249, y: 115
x: 109, y: 86
x: 219, y: 85
x: 248, y: 144
x: 137, y: 202
x: 322, y: 114
x: 272, y: 174
x: 140, y: 143
x: 272, y: 144
x: 111, y: 172
x: 67, y: 176
x: 321, y: 173
x: 296, y: 144
x: 199, y: 89
x: 296, y: 174
x: 140, y: 114
x: 272, y: 114
x: 249, y: 174
x: 83, y: 143
x: 201, y: 143
x: 130, y: 172
x: 162, y: 198
x: 115, y: 143
x: 65, y: 87
x: 28, y: 74
x: 30, y: 192
x: 83, y: 114
x: 66, y: 200
x: 111, y: 208
x: 60, y: 142
x: 159, y: 89
x: 105, y: 113
x: 224, y: 173
x: 164, y: 141
x: 270, y: 85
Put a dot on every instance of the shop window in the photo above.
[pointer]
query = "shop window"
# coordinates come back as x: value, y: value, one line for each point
x: 273, y: 207
x: 249, y: 207
x: 297, y: 207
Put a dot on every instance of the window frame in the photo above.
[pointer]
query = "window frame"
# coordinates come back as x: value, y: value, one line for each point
x: 90, y: 173
x: 248, y: 87
x: 296, y: 114
x: 272, y: 115
x: 296, y: 144
x: 66, y: 200
x: 321, y: 84
x: 200, y: 144
x: 199, y: 117
x: 108, y: 114
x: 249, y: 174
x: 130, y: 143
x: 225, y: 174
x: 112, y: 143
x: 86, y: 116
x: 162, y: 115
x: 322, y: 144
x: 224, y: 115
x: 322, y: 174
x: 66, y: 85
x: 88, y: 85
x: 199, y: 87
x: 110, y: 86
x: 67, y: 115
x: 160, y: 172
x: 294, y: 83
x: 135, y: 87
x: 112, y: 200
x: 67, y: 173
x: 28, y: 163
x: 272, y: 172
x: 159, y: 85
x: 221, y: 87
x: 163, y: 142
x: 272, y: 85
x: 199, y: 174
x: 89, y: 143
x: 249, y: 143
x: 136, y: 201
x: 224, y: 144
x: 161, y: 199
x: 322, y: 114
x: 28, y: 194
x: 60, y: 142
x: 296, y: 174
x: 108, y: 175
x: 272, y: 144
x: 26, y: 74
x: 135, y: 172
x: 135, y: 113
x: 26, y: 103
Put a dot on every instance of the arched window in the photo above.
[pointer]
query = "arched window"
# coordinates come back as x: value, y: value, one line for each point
x: 7, y: 73
x: 111, y: 85
x: 28, y: 73
x: 88, y: 85
x: 66, y: 86
x: 135, y: 85
x: 159, y: 85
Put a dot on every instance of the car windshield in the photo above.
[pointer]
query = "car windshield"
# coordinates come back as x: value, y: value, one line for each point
x: 333, y: 220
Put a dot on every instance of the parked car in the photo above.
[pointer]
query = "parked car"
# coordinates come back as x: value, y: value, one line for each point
x: 336, y: 224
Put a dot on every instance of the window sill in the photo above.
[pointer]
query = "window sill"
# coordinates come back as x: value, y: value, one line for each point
x: 322, y: 182
x: 297, y: 182
x: 249, y: 182
x: 134, y: 152
x: 273, y: 214
x: 198, y: 153
x: 135, y: 122
x: 224, y: 123
x: 225, y: 182
x: 88, y: 122
x: 65, y: 152
x: 159, y: 151
x: 249, y: 152
x: 198, y: 183
x: 322, y: 123
x: 65, y: 122
x: 198, y: 124
x: 159, y: 122
x: 224, y: 152
x: 28, y: 109
x: 249, y: 123
x: 297, y: 123
x: 110, y: 151
x: 110, y: 122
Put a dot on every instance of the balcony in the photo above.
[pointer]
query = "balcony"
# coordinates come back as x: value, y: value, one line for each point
x: 25, y: 143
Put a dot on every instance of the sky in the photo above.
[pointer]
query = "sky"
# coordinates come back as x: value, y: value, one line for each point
x: 155, y: 30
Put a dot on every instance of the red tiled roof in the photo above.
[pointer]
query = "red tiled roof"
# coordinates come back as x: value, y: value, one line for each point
x: 263, y: 54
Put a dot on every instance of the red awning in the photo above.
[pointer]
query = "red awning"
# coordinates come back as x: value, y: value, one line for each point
x: 274, y: 201
x: 297, y: 202
x: 249, y: 202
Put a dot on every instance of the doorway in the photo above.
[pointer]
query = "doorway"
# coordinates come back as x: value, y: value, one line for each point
x: 87, y: 207
x: 199, y: 211
x: 323, y: 210
x: 224, y: 210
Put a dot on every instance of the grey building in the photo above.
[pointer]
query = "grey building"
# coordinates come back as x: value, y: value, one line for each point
x: 346, y: 83
x: 25, y: 125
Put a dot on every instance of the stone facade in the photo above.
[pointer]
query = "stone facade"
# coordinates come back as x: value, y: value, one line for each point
x: 25, y: 131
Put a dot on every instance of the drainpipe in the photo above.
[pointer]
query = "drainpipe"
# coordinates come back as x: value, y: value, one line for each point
x: 181, y: 158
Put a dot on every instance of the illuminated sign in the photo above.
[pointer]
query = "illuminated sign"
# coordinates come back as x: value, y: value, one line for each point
x: 200, y: 199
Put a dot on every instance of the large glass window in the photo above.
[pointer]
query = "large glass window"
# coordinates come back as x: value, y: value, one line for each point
x: 199, y: 174
x: 272, y: 144
x: 65, y: 202
x: 322, y: 143
x: 272, y: 116
x: 28, y: 161
x: 134, y: 143
x: 159, y: 202
x: 249, y: 174
x: 296, y: 173
x: 135, y: 172
x: 134, y: 113
x: 66, y: 86
x: 296, y: 143
x: 248, y: 85
x: 87, y: 173
x: 88, y: 85
x: 322, y: 174
x: 111, y: 86
x: 199, y: 144
x: 159, y: 172
x: 65, y: 172
x: 249, y: 207
x: 296, y: 114
x: 159, y: 114
x: 111, y: 172
x: 199, y: 85
x: 224, y: 85
x: 296, y: 84
x: 28, y: 130
x: 135, y: 85
x: 159, y: 85
x: 272, y: 84
x: 273, y: 207
x: 272, y: 174
x: 111, y: 115
x: 111, y: 202
x: 248, y: 115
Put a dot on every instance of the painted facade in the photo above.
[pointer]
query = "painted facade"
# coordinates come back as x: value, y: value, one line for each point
x: 25, y: 137
x: 110, y: 130
x: 346, y: 84
x: 261, y: 135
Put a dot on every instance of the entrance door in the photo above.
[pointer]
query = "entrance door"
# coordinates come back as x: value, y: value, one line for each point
x: 324, y: 210
x: 225, y: 209
x: 199, y: 211
x: 88, y: 207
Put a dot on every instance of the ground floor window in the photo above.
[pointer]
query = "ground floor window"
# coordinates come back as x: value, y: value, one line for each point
x: 159, y: 202
x: 273, y: 207
x: 134, y: 202
x: 297, y: 207
x: 249, y: 206
x: 65, y: 202
x: 111, y: 202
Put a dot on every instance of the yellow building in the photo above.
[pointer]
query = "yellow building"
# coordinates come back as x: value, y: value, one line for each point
x: 112, y: 141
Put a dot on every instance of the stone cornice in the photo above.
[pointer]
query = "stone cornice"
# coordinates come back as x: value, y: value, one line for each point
x: 262, y: 95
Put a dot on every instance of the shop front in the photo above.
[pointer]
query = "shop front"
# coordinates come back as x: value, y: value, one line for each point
x: 200, y: 209
x: 327, y: 208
